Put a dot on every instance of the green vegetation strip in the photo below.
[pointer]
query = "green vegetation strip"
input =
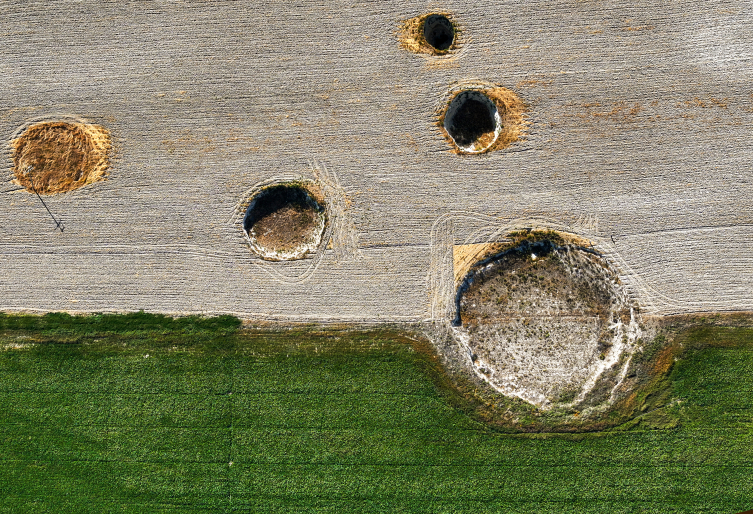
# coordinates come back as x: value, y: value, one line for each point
x: 141, y: 413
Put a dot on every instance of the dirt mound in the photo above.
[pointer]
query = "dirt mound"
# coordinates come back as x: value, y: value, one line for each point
x: 544, y: 320
x: 433, y: 34
x: 58, y: 156
x: 285, y: 221
x: 482, y: 119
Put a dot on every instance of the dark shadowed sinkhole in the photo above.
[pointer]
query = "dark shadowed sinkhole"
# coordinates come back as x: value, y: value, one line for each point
x: 283, y: 217
x: 438, y: 31
x: 470, y: 117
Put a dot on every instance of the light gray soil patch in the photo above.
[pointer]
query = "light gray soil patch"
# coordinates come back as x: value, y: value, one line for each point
x: 617, y: 147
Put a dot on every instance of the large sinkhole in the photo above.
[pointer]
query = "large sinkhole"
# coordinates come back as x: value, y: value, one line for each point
x: 284, y: 222
x: 472, y: 121
x: 546, y: 320
x: 439, y: 32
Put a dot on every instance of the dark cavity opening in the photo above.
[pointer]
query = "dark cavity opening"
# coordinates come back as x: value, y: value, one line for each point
x: 470, y: 116
x: 282, y: 217
x: 438, y: 31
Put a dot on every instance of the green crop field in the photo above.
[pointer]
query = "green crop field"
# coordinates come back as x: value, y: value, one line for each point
x: 142, y: 413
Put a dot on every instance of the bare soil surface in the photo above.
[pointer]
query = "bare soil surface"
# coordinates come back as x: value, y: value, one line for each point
x: 56, y: 157
x: 615, y: 148
x: 286, y: 228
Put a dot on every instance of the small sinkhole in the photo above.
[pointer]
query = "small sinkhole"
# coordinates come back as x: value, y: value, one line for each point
x: 472, y: 121
x: 438, y: 31
x: 284, y: 222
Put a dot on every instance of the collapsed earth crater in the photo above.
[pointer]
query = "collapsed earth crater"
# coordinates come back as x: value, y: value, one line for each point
x: 545, y: 320
x: 435, y: 34
x: 285, y: 221
x: 482, y: 119
x: 58, y: 156
x: 439, y: 31
x: 472, y: 121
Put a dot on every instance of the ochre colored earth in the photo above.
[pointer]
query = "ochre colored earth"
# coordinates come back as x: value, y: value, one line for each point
x: 286, y: 228
x: 56, y: 157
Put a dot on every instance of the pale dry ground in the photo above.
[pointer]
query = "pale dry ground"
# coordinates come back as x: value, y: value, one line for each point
x: 641, y: 127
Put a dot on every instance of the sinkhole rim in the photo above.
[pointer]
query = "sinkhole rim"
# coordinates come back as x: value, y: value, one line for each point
x: 299, y: 204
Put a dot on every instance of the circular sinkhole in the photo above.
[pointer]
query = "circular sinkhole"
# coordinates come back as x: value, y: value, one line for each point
x: 285, y: 221
x: 435, y: 34
x: 546, y: 320
x: 439, y: 32
x: 58, y: 156
x: 472, y: 121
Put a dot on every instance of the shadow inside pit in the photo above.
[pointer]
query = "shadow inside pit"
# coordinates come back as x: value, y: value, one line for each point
x: 439, y: 32
x: 470, y: 116
x: 274, y: 199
